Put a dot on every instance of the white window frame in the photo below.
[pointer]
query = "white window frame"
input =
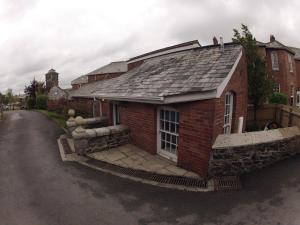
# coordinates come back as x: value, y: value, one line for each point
x: 275, y: 61
x: 165, y: 153
x: 298, y: 99
x: 276, y: 88
x: 116, y: 114
x: 290, y: 62
x: 100, y: 107
x: 292, y: 90
x: 228, y: 111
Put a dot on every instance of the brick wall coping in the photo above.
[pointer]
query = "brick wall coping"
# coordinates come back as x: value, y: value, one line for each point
x: 98, y: 132
x: 87, y: 121
x: 252, y: 138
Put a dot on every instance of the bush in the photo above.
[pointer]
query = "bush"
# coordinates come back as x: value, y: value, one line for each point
x: 41, y: 102
x: 30, y: 102
x: 279, y: 98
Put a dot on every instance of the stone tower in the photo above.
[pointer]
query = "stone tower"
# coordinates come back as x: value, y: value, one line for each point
x: 51, y: 79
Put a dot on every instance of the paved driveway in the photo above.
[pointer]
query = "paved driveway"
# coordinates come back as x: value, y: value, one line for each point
x: 36, y: 188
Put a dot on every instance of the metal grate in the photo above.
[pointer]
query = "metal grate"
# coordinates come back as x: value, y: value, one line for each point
x: 66, y: 146
x: 230, y: 183
x: 165, y: 179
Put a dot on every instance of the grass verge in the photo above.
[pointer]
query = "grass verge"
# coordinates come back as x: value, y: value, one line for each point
x: 57, y: 118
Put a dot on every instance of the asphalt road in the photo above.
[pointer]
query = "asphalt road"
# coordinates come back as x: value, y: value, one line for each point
x: 37, y: 188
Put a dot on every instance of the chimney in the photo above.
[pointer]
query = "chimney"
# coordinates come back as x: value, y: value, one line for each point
x: 215, y: 40
x: 222, y: 44
x: 272, y: 38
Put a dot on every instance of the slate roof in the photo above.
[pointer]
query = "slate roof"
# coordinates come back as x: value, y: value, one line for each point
x: 297, y: 52
x: 191, y: 71
x: 278, y: 45
x: 113, y: 67
x: 191, y: 44
x: 80, y: 80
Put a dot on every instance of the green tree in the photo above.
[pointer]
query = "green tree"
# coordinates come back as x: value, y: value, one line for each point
x: 279, y: 98
x: 259, y: 85
x: 41, y: 101
x: 9, y: 97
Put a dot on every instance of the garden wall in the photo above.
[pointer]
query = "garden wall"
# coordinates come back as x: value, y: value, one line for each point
x: 236, y: 154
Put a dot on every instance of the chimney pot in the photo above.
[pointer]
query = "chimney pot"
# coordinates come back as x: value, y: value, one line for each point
x: 272, y: 38
x: 215, y: 40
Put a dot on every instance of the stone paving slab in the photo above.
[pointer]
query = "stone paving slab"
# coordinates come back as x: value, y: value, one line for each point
x: 132, y: 157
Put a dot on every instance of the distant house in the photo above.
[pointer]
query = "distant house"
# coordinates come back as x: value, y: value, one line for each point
x: 111, y: 70
x: 281, y: 66
x: 57, y: 93
x: 177, y: 100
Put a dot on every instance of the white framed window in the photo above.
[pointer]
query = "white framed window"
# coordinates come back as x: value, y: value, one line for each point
x: 168, y: 132
x: 274, y: 58
x: 290, y: 62
x: 292, y: 90
x: 116, y: 114
x: 276, y: 88
x: 228, y: 110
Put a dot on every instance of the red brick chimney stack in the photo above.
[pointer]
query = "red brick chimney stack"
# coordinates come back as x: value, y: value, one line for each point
x: 215, y: 40
x: 272, y: 38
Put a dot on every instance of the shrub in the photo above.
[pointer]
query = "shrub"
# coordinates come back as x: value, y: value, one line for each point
x: 279, y: 98
x: 41, y: 102
x: 30, y: 102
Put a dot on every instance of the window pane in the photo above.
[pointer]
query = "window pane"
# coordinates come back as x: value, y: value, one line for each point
x: 163, y: 136
x: 168, y: 146
x: 167, y: 115
x: 162, y: 125
x: 167, y: 126
x: 177, y: 117
x: 174, y: 139
x: 163, y: 145
x: 173, y: 116
x: 168, y: 139
x: 162, y: 114
x: 173, y: 127
x: 177, y: 128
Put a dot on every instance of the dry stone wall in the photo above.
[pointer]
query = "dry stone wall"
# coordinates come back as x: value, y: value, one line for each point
x: 236, y: 154
x: 99, y: 139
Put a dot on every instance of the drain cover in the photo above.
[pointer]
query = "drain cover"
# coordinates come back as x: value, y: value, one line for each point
x: 230, y: 183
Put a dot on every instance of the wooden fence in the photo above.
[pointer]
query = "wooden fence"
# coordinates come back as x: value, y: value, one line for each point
x: 284, y: 115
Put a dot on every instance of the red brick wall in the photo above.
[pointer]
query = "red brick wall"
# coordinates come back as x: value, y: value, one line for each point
x: 297, y: 64
x: 202, y: 121
x: 283, y: 77
x: 141, y: 119
x: 195, y: 135
x: 239, y: 86
x: 99, y: 77
x: 134, y: 64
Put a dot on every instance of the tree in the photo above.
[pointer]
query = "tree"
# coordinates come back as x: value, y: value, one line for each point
x: 35, y: 88
x: 279, y: 98
x: 259, y: 85
x: 9, y: 96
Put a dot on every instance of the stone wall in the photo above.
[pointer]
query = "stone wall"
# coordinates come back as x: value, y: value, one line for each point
x: 99, y: 139
x: 236, y: 154
x: 88, y: 123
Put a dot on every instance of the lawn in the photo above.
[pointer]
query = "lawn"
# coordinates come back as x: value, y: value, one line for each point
x: 59, y: 119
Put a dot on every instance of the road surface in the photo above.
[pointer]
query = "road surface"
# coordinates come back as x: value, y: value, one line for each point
x: 37, y: 188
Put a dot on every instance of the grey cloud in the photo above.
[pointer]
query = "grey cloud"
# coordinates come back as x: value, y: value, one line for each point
x: 39, y: 35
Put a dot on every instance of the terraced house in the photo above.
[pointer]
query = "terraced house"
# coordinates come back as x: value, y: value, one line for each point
x: 177, y: 100
x: 283, y: 66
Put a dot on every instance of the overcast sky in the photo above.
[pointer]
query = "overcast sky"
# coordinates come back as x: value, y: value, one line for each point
x: 76, y: 37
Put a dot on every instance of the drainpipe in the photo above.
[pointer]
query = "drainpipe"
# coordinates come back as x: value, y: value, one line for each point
x: 241, y: 123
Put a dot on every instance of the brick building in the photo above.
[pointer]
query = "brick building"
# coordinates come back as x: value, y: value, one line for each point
x: 281, y: 62
x: 177, y: 100
x: 111, y: 70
